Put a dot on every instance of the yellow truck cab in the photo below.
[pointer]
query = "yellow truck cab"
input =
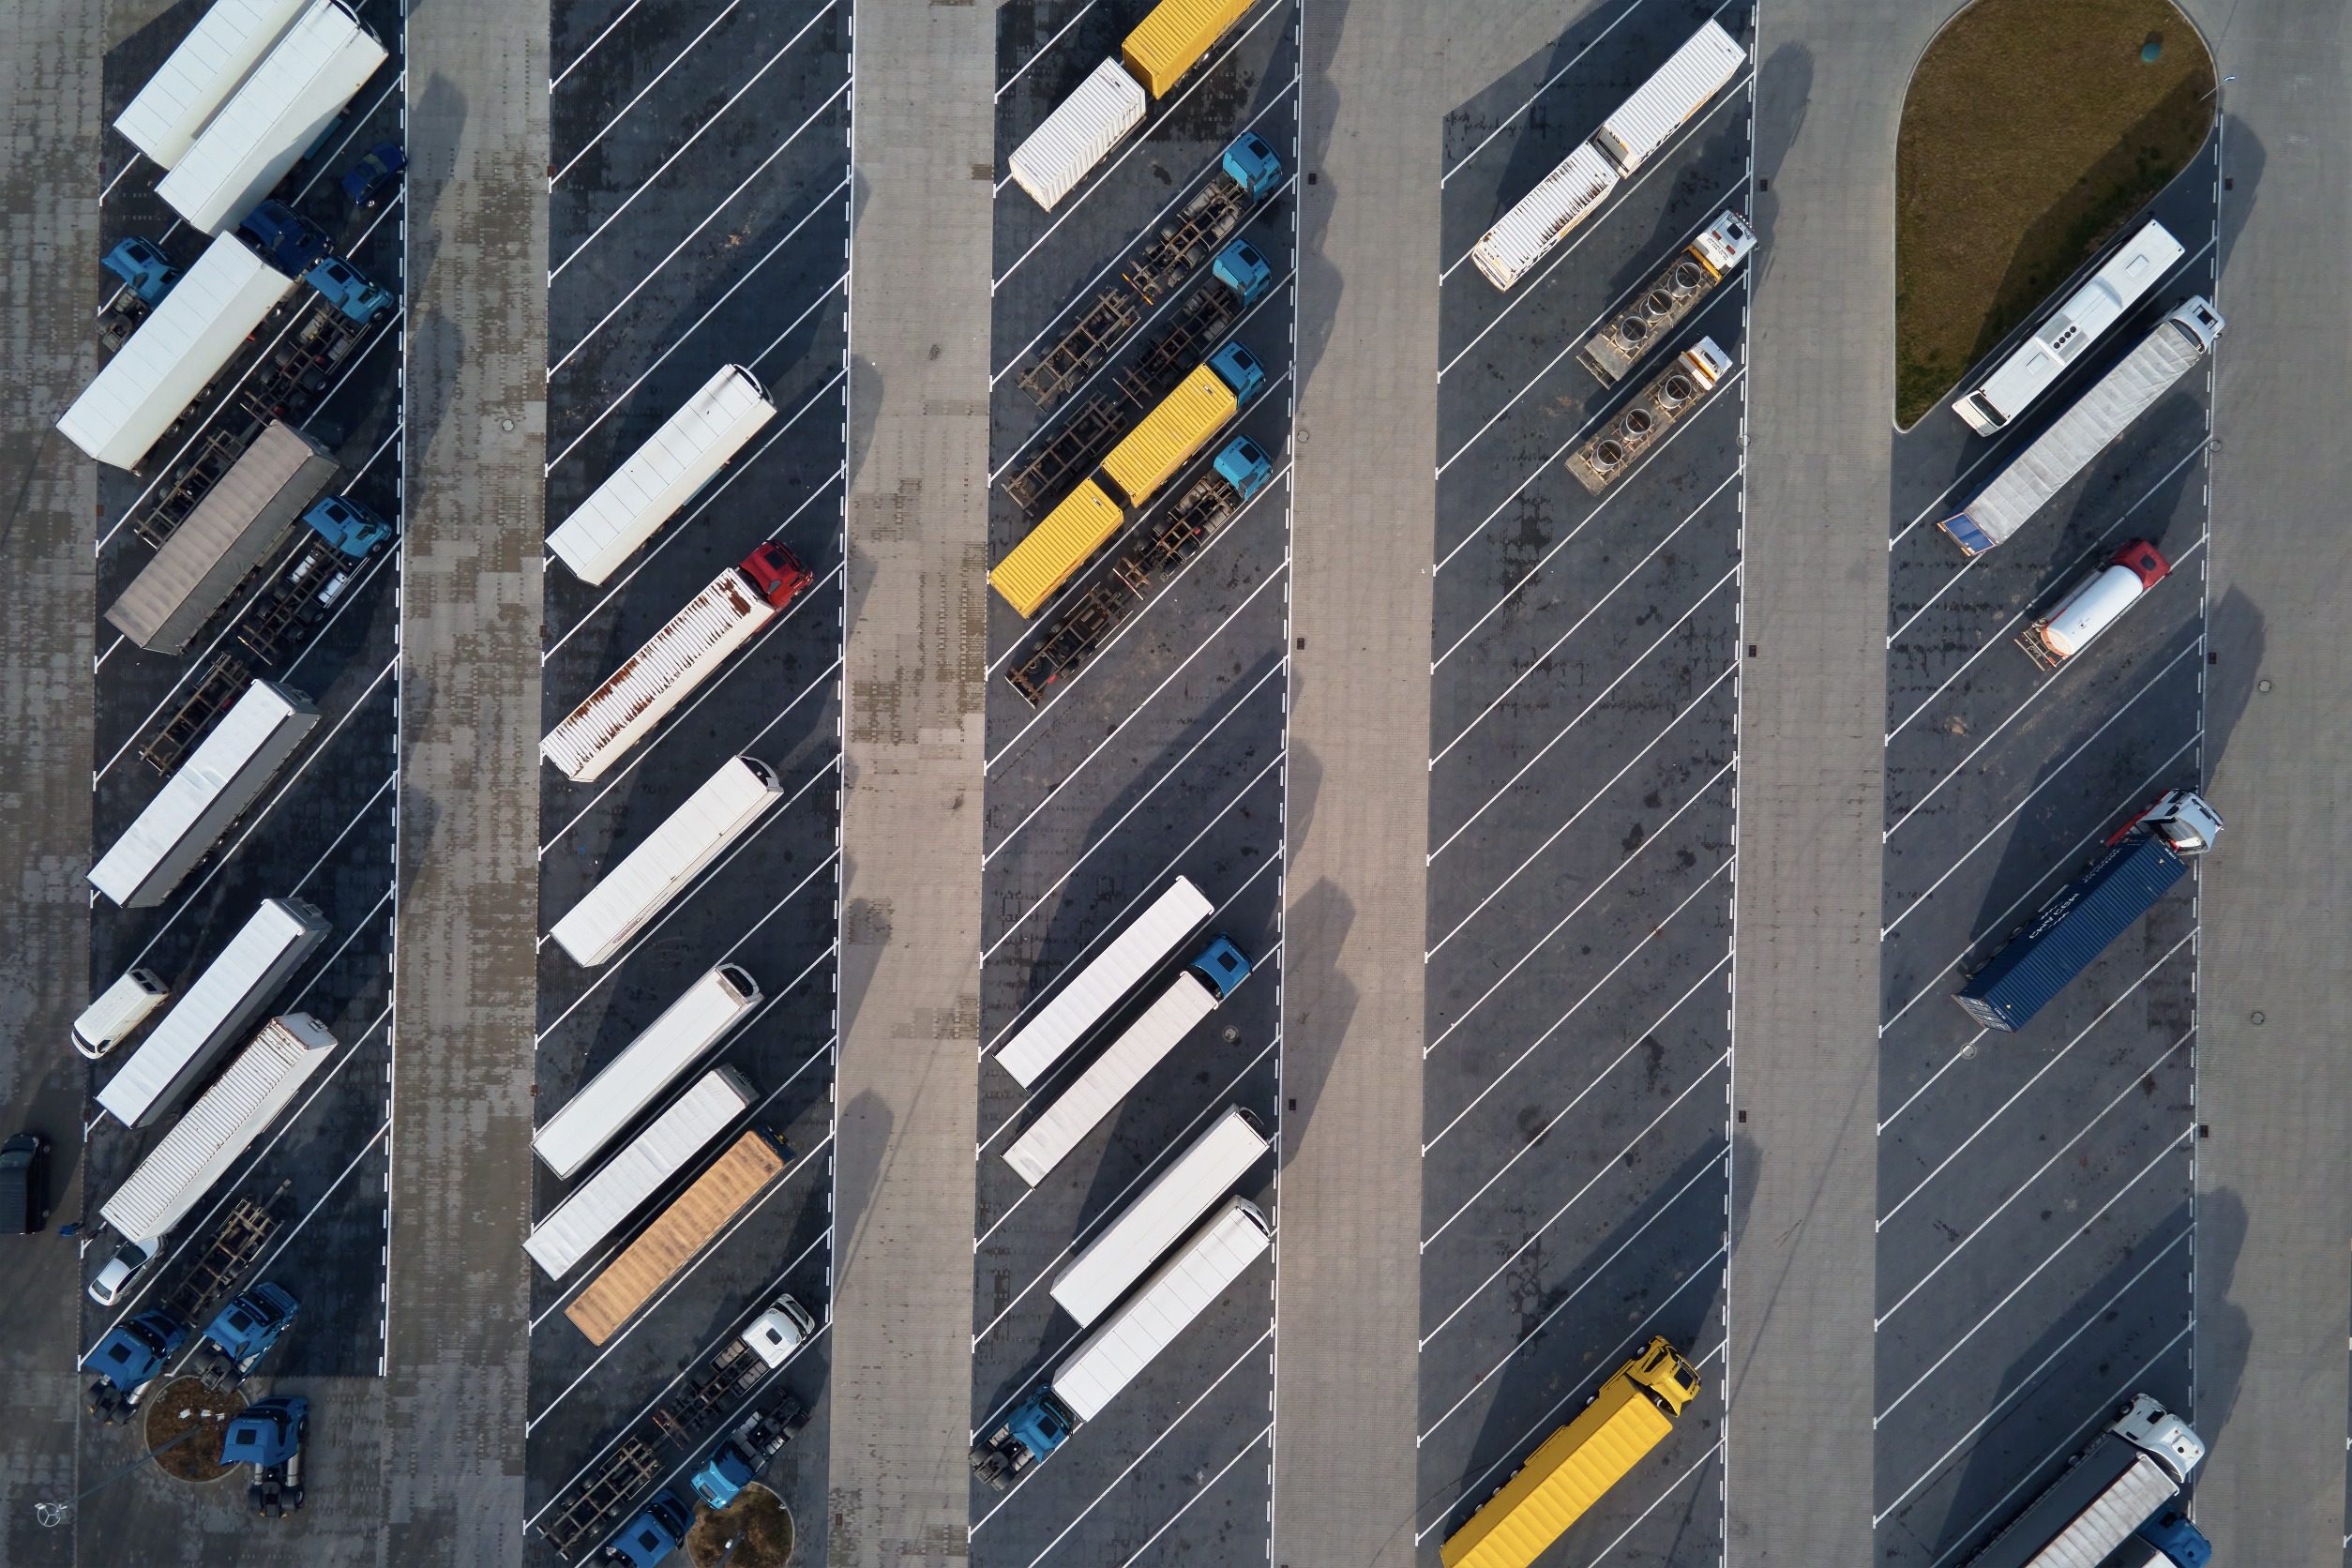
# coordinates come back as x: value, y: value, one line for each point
x: 1569, y: 1471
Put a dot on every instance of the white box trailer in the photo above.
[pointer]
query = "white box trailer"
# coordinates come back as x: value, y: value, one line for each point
x: 2049, y: 463
x: 1538, y: 221
x: 1178, y: 1291
x: 1189, y: 998
x: 241, y: 980
x: 1190, y: 1187
x: 2063, y: 335
x: 1104, y: 982
x: 176, y: 354
x: 219, y: 1127
x: 223, y: 776
x: 196, y: 79
x: 301, y: 84
x: 658, y: 869
x: 629, y: 1181
x: 1677, y: 90
x: 662, y: 476
x: 1079, y: 134
x: 648, y: 1065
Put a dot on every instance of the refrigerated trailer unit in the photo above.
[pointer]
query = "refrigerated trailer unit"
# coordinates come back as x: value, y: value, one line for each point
x: 219, y: 1127
x: 623, y: 1184
x: 306, y: 79
x: 164, y: 118
x: 1192, y: 996
x: 238, y: 524
x: 212, y: 789
x: 677, y: 1236
x: 219, y: 1007
x: 658, y: 869
x: 621, y: 1091
x: 2062, y: 336
x: 1104, y: 982
x: 662, y: 476
x: 1093, y: 1281
x: 176, y: 354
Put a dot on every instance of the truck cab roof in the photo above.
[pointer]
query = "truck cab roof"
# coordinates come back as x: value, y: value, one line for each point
x: 1252, y: 164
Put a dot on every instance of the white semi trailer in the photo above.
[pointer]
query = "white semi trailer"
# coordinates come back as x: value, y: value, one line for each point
x: 1106, y: 980
x: 662, y: 476
x: 1095, y: 1280
x: 658, y: 869
x: 629, y: 1181
x: 163, y: 117
x: 624, y: 1087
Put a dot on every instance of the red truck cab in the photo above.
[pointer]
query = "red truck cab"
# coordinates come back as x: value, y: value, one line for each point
x: 776, y: 573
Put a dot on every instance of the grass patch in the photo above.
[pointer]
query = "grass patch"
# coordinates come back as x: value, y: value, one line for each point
x: 185, y: 1423
x: 2031, y: 132
x: 756, y: 1522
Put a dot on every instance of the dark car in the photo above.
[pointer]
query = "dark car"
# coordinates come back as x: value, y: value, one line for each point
x: 23, y: 1193
x: 367, y: 182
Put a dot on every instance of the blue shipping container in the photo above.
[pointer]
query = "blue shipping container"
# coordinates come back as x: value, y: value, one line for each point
x: 2072, y: 928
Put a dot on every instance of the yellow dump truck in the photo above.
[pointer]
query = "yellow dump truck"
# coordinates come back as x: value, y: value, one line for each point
x: 677, y: 1236
x: 1570, y: 1470
x: 1171, y: 40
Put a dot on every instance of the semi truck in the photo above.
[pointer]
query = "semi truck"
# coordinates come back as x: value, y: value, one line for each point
x: 1642, y: 423
x: 1198, y: 990
x: 2103, y: 1496
x: 127, y: 1360
x: 1146, y: 457
x: 743, y: 1452
x: 164, y: 116
x: 677, y: 1235
x: 659, y: 1530
x: 1108, y: 104
x: 269, y: 1436
x: 1092, y: 1282
x: 1078, y: 630
x: 679, y: 657
x: 212, y: 790
x: 2140, y: 863
x: 627, y: 1182
x: 722, y: 810
x: 1107, y: 979
x: 1575, y: 189
x: 2029, y: 481
x: 2094, y: 604
x: 296, y: 91
x: 1571, y: 1470
x: 662, y: 476
x: 241, y: 521
x: 1123, y: 1344
x: 342, y: 533
x: 243, y: 1333
x: 2067, y: 333
x: 702, y: 1016
x: 173, y: 356
x: 2166, y: 1541
x: 147, y: 274
x: 202, y: 1144
x: 116, y: 1013
x: 1657, y: 309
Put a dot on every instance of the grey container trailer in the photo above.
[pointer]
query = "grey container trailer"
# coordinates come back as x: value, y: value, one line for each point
x: 2138, y: 1464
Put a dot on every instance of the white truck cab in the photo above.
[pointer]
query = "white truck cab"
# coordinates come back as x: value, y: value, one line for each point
x: 779, y: 1331
x: 2150, y: 1428
x: 2181, y: 818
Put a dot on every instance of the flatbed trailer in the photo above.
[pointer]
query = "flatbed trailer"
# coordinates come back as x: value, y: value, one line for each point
x: 690, y: 1415
x: 214, y: 695
x: 1071, y: 452
x: 1090, y: 341
x: 236, y: 1246
x: 602, y: 1497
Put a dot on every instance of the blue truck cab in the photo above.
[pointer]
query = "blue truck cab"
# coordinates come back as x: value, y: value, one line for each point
x: 1035, y: 1428
x: 2183, y: 1544
x: 267, y: 1435
x: 129, y: 1357
x: 345, y: 287
x: 1245, y: 466
x: 1242, y: 269
x: 1238, y: 370
x: 1252, y: 165
x: 242, y: 1333
x: 282, y: 237
x: 655, y: 1532
x: 1222, y: 966
x: 348, y: 527
x: 143, y: 268
x: 724, y: 1475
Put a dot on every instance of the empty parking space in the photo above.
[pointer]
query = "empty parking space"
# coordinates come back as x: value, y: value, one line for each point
x: 2035, y: 1235
x: 698, y: 219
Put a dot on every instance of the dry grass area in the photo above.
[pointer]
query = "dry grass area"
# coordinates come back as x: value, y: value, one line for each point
x: 185, y: 1404
x: 2032, y: 129
x: 758, y: 1519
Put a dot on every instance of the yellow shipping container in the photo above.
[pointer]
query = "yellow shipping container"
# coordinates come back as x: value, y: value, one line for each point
x: 1056, y: 548
x: 1569, y: 1471
x: 1170, y: 435
x: 1173, y: 39
x: 677, y: 1236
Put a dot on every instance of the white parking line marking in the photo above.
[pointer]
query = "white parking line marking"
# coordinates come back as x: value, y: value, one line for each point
x: 1584, y: 711
x: 389, y: 780
x: 2162, y: 1154
x: 135, y: 159
x: 1587, y: 805
x: 1672, y: 1486
x: 597, y: 135
x: 1198, y: 1492
x: 1042, y: 50
x: 557, y: 80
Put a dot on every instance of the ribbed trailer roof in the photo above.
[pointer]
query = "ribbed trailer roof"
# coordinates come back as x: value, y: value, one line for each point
x: 1104, y: 982
x: 662, y: 476
x: 1205, y: 1172
x: 1063, y: 1124
x: 623, y: 710
x: 1178, y: 1291
x: 658, y: 869
x: 648, y: 1065
x: 623, y: 1184
x: 196, y: 79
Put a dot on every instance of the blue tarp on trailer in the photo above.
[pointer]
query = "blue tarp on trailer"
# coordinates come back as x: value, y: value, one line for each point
x: 2072, y: 929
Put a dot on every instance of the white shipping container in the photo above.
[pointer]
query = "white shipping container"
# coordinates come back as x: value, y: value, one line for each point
x: 1082, y: 129
x: 176, y: 354
x: 1104, y: 982
x: 1561, y: 201
x: 197, y: 77
x: 1675, y: 92
x: 627, y: 1181
x: 263, y: 130
x: 118, y: 1012
x: 217, y: 1009
x: 220, y: 778
x: 662, y: 476
x: 1109, y: 1077
x: 1178, y: 1291
x: 1147, y: 1227
x: 656, y: 678
x: 648, y: 1065
x: 219, y: 1127
x: 658, y: 869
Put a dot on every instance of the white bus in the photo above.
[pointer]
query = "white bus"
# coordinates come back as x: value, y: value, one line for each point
x: 2064, y: 335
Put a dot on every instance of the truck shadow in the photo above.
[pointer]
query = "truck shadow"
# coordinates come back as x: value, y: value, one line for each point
x: 1783, y: 92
